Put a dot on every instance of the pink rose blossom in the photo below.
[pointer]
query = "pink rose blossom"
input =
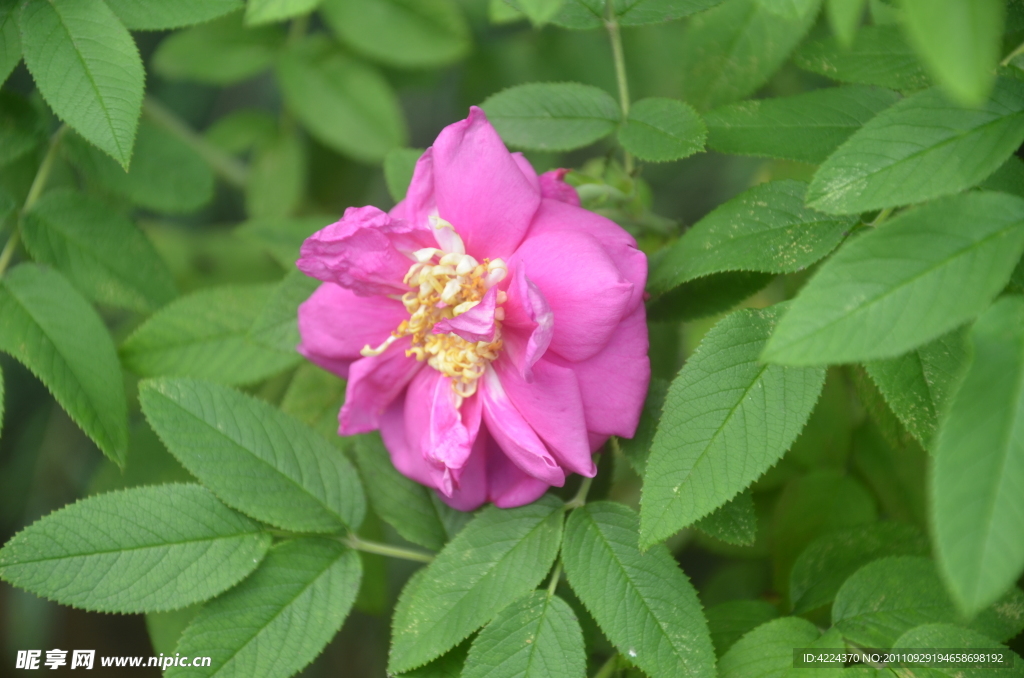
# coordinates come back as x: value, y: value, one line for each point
x: 491, y: 328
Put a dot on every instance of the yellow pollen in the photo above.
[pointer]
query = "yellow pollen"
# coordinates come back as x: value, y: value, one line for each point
x: 442, y: 286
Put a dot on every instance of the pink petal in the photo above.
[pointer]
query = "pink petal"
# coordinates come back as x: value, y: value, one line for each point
x: 476, y: 324
x: 529, y: 323
x: 373, y: 383
x: 443, y: 433
x: 514, y: 436
x: 582, y: 285
x: 553, y: 408
x: 614, y: 382
x: 480, y: 189
x: 507, y: 485
x: 554, y: 216
x: 406, y: 459
x: 367, y: 251
x: 553, y: 186
x: 527, y: 169
x: 335, y: 324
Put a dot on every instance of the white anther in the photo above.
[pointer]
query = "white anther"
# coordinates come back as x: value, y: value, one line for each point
x: 451, y: 290
x: 499, y: 314
x: 496, y: 272
x: 502, y: 297
x: 463, y: 307
x: 451, y: 259
x: 466, y: 266
x: 368, y: 351
x: 426, y: 254
x: 446, y: 237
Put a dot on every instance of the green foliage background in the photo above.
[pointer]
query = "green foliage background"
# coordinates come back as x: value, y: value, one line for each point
x: 831, y: 455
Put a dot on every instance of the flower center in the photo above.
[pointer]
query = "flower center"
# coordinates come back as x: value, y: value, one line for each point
x: 444, y: 285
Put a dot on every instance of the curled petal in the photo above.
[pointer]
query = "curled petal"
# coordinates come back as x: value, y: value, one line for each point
x: 472, y: 490
x: 443, y: 429
x: 614, y: 382
x: 476, y: 324
x: 529, y: 323
x: 514, y: 436
x: 582, y: 285
x: 553, y: 187
x: 480, y: 189
x: 367, y: 251
x: 404, y: 456
x: 335, y: 324
x: 554, y: 216
x: 553, y: 408
x: 373, y: 383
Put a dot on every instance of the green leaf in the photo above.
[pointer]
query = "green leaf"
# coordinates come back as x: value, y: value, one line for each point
x: 540, y: 12
x: 890, y: 461
x: 830, y: 559
x: 878, y: 56
x: 1009, y: 178
x: 1, y: 400
x: 585, y: 14
x: 706, y: 296
x: 845, y: 16
x: 343, y: 102
x: 158, y: 15
x: 642, y: 601
x: 730, y: 621
x: 221, y: 52
x: 765, y: 229
x: 537, y: 637
x: 399, y: 165
x: 10, y: 39
x: 658, y: 130
x: 278, y: 620
x: 22, y: 129
x: 240, y: 130
x: 768, y: 649
x: 727, y: 419
x: 283, y: 237
x: 941, y: 636
x: 548, y: 116
x: 413, y: 510
x: 254, y: 457
x: 88, y: 69
x: 277, y: 325
x: 98, y: 249
x: 268, y: 11
x: 164, y: 628
x: 921, y: 148
x: 791, y: 9
x: 141, y: 550
x: 732, y: 50
x: 402, y: 33
x: 896, y: 287
x: 890, y: 596
x: 960, y: 42
x: 812, y: 505
x: 206, y: 335
x: 276, y: 178
x: 977, y: 498
x: 55, y: 333
x: 734, y: 522
x: 807, y: 127
x: 497, y: 558
x: 166, y: 175
x: 916, y: 385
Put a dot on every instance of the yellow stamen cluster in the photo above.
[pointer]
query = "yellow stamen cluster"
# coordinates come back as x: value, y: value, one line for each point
x: 443, y: 286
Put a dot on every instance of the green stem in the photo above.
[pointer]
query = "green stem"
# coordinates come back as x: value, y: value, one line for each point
x: 882, y: 216
x: 581, y: 494
x: 1009, y: 57
x: 359, y: 544
x: 555, y: 576
x: 612, y: 24
x: 34, y: 191
x: 608, y: 668
x: 228, y: 167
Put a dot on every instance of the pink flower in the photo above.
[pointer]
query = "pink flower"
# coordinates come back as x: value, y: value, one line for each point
x: 492, y: 329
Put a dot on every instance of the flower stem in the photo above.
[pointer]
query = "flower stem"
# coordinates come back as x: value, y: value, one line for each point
x: 608, y: 668
x: 355, y: 542
x: 612, y: 24
x: 34, y: 191
x: 555, y: 576
x: 581, y: 494
x: 225, y: 165
x: 882, y: 216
